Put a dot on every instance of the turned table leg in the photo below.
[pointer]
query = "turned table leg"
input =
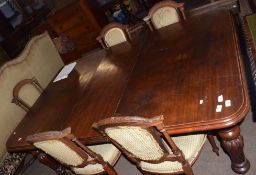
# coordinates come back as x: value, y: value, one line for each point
x: 53, y: 164
x: 233, y: 144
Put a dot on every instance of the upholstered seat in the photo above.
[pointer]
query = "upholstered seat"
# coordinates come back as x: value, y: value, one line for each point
x: 165, y: 13
x: 66, y: 149
x: 146, y: 143
x: 109, y: 154
x: 189, y: 145
x: 113, y: 34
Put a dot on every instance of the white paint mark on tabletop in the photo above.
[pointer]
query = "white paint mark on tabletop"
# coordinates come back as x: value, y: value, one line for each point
x: 220, y: 98
x: 219, y: 108
x: 227, y: 103
x: 19, y: 139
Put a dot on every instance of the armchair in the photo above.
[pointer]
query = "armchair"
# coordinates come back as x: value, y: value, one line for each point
x: 65, y: 148
x: 146, y: 143
x: 165, y: 13
x: 113, y: 34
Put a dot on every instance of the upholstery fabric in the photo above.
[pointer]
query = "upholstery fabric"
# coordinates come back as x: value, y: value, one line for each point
x: 43, y: 59
x: 10, y: 113
x: 29, y: 94
x: 60, y: 151
x: 190, y: 146
x: 137, y: 141
x: 11, y: 163
x: 109, y: 153
x: 39, y: 59
x: 164, y: 17
x: 114, y: 36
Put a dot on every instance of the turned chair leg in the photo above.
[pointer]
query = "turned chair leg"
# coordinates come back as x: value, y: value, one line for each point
x: 215, y: 148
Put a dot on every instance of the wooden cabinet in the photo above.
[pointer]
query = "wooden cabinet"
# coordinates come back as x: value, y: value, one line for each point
x: 77, y: 21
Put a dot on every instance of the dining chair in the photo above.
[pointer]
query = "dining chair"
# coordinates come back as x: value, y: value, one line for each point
x: 26, y: 92
x: 64, y: 147
x: 165, y: 13
x: 113, y: 34
x: 146, y: 143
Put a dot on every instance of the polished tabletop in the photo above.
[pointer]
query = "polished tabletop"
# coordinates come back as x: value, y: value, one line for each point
x: 185, y: 65
x: 178, y: 72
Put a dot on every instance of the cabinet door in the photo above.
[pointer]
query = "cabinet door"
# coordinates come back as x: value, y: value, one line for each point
x: 78, y: 23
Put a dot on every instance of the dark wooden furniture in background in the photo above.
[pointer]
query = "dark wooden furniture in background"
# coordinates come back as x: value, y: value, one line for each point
x: 77, y: 21
x: 15, y: 39
x: 151, y: 78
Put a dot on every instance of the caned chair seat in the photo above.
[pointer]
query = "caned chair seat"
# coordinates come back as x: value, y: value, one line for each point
x: 190, y: 146
x: 109, y: 154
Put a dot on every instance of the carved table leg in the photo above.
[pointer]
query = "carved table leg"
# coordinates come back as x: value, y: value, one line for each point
x: 233, y: 143
x: 53, y: 164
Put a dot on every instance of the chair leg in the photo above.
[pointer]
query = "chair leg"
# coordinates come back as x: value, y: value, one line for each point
x: 52, y: 163
x: 109, y: 169
x: 187, y: 168
x: 24, y: 166
x: 215, y: 148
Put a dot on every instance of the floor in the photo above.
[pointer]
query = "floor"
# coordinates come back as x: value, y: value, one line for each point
x: 207, y: 164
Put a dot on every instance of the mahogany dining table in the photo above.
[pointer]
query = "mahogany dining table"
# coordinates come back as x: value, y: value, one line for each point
x: 190, y: 72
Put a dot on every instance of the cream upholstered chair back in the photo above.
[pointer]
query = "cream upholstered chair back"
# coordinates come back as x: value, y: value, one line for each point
x: 138, y: 137
x: 113, y: 34
x: 147, y: 144
x: 164, y: 16
x: 26, y: 92
x: 65, y: 148
x: 59, y: 147
x: 165, y: 13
